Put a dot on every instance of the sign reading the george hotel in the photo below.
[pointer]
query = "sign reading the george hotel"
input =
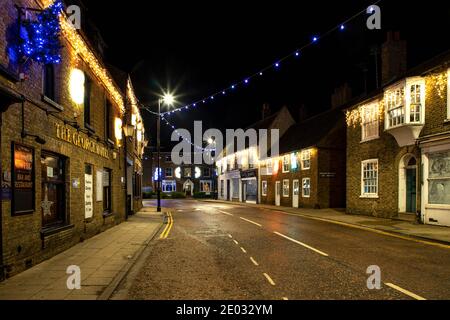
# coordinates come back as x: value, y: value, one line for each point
x: 80, y: 140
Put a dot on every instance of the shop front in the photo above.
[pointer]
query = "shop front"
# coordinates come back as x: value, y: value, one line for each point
x: 249, y: 180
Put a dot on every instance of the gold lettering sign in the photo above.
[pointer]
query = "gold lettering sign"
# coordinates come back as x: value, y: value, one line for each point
x: 77, y: 139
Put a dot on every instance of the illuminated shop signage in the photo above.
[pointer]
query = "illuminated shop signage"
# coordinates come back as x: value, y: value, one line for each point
x: 23, y: 179
x: 80, y: 140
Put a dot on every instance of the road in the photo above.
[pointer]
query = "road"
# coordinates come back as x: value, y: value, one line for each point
x: 231, y: 252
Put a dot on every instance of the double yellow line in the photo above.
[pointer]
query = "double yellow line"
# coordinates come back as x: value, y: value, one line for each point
x: 168, y: 227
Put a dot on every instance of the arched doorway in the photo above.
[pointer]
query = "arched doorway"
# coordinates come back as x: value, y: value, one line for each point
x: 188, y: 188
x: 408, y: 184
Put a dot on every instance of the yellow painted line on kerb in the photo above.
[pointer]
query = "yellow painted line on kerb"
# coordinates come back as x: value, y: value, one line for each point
x: 168, y: 227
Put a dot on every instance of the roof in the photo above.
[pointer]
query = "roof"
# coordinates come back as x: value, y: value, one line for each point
x: 311, y: 131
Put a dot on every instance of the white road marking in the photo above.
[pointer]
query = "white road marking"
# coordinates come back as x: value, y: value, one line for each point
x: 284, y: 298
x: 302, y: 244
x: 269, y: 279
x: 250, y: 221
x: 227, y: 213
x: 243, y: 250
x: 404, y: 291
x: 231, y: 237
x: 254, y: 261
x: 236, y: 242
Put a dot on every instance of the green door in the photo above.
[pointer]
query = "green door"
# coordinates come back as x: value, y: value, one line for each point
x: 411, y: 190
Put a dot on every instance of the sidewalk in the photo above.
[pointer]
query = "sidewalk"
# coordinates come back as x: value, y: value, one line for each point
x: 103, y: 260
x: 398, y: 227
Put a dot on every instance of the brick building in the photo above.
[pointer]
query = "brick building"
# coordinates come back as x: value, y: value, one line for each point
x: 186, y: 178
x: 62, y: 158
x: 238, y: 173
x: 310, y: 171
x: 398, y: 141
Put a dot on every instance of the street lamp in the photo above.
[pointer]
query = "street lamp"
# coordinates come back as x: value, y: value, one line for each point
x: 167, y: 99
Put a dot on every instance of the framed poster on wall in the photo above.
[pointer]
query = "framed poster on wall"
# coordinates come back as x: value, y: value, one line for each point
x: 23, y: 180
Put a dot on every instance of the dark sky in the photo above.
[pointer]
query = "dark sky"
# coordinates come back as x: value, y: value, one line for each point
x: 200, y: 47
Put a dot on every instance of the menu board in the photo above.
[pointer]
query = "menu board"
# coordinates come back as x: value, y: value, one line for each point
x: 23, y: 197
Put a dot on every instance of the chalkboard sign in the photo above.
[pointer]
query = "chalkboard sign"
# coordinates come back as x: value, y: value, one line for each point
x: 23, y: 191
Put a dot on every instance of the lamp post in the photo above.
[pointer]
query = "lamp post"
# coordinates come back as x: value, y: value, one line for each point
x: 168, y: 100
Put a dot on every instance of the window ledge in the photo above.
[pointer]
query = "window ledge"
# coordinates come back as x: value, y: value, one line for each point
x: 107, y: 214
x: 370, y: 139
x: 369, y: 197
x: 89, y: 127
x: 52, y: 103
x: 54, y: 230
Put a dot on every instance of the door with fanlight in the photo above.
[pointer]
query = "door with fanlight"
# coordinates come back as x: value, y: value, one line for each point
x: 295, y: 193
x: 278, y: 193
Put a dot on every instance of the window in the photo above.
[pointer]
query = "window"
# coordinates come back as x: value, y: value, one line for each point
x: 306, y: 159
x: 306, y: 189
x: 285, y: 164
x: 87, y: 101
x: 395, y: 107
x: 107, y: 190
x: 269, y: 166
x: 187, y: 172
x: 168, y: 158
x: 369, y: 178
x: 108, y: 120
x: 205, y: 186
x: 286, y: 188
x: 416, y: 103
x: 53, y: 205
x: 169, y: 186
x: 49, y: 82
x: 264, y: 188
x: 439, y: 178
x: 168, y: 172
x: 206, y: 172
x: 370, y: 123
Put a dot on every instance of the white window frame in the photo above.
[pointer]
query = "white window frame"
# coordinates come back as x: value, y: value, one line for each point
x: 286, y: 183
x: 448, y: 94
x: 165, y: 172
x: 369, y: 194
x: 269, y: 167
x: 370, y: 122
x: 304, y: 195
x: 286, y: 164
x: 304, y: 158
x: 264, y: 189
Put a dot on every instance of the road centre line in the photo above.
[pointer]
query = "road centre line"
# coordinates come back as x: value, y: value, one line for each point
x: 250, y: 221
x: 404, y: 291
x: 227, y: 213
x: 237, y: 243
x: 269, y: 279
x: 254, y: 261
x: 302, y: 244
x: 243, y: 250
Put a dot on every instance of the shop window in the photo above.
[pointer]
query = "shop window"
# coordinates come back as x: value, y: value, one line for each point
x: 439, y: 178
x: 306, y: 188
x: 205, y: 186
x: 286, y: 188
x: 53, y: 202
x: 369, y: 178
x: 107, y: 190
x: 49, y: 82
x: 264, y: 188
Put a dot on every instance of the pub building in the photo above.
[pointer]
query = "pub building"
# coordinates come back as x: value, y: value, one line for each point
x: 62, y: 142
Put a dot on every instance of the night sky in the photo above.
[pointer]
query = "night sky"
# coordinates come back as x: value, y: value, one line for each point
x: 197, y: 48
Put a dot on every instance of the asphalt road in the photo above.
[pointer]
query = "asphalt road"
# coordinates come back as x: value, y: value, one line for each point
x: 226, y: 251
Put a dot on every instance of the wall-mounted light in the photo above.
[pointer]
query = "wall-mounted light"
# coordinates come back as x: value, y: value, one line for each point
x: 128, y: 130
x: 133, y: 120
x: 76, y: 86
x: 178, y: 173
x: 198, y: 172
x: 118, y: 129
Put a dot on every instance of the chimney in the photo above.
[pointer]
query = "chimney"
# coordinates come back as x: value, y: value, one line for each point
x: 341, y: 96
x: 265, y: 111
x: 393, y: 57
x: 303, y: 113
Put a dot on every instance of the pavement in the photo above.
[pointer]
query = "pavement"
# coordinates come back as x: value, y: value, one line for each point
x: 103, y: 260
x: 404, y: 225
x: 227, y: 251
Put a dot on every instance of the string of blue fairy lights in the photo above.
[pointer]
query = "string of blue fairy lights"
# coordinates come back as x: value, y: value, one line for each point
x: 246, y: 81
